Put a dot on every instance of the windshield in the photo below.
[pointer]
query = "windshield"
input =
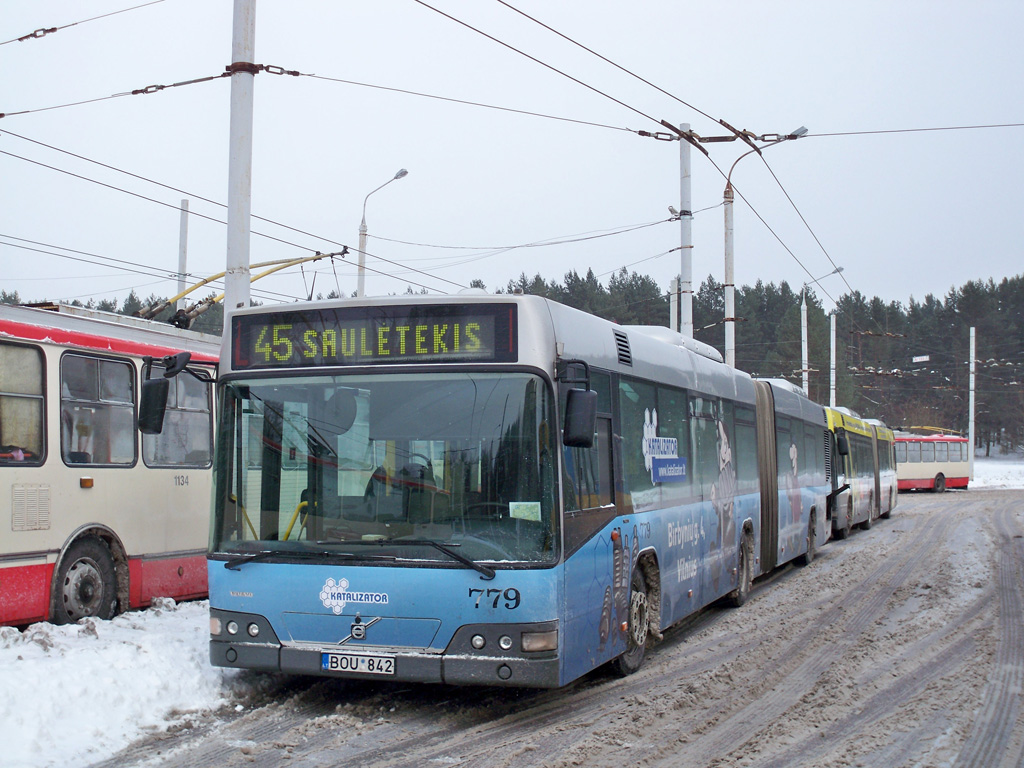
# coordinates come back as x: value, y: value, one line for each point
x: 386, y: 468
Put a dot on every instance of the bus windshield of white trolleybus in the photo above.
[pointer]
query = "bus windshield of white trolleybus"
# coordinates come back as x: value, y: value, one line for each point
x: 439, y: 469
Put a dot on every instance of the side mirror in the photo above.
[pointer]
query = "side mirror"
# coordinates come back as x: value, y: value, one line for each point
x: 842, y: 444
x: 152, y: 405
x: 580, y: 418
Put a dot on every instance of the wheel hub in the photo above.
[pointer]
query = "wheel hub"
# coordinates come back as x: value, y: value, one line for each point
x: 82, y: 589
x: 638, y: 620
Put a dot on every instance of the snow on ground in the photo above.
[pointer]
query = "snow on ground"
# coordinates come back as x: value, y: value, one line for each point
x: 76, y: 695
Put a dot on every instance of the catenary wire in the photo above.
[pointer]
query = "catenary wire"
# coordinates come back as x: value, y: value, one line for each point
x: 210, y: 218
x: 607, y: 60
x: 471, y: 103
x: 537, y: 61
x: 50, y: 30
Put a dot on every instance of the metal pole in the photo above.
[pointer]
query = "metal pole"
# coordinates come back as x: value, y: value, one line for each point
x: 673, y: 304
x: 182, y: 251
x: 243, y: 40
x: 361, y: 280
x: 686, y: 238
x: 970, y: 423
x: 803, y: 342
x: 730, y: 295
x: 832, y: 366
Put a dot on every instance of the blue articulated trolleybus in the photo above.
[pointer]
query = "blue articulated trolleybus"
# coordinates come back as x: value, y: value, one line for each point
x: 494, y: 490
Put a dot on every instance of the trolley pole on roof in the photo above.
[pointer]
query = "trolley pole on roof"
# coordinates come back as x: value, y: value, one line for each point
x: 243, y: 71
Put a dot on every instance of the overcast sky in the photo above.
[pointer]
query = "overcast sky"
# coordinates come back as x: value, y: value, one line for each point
x: 904, y: 213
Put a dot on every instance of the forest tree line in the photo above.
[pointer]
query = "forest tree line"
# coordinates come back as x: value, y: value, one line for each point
x: 907, y: 364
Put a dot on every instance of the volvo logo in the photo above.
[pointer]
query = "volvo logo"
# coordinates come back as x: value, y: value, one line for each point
x: 357, y: 631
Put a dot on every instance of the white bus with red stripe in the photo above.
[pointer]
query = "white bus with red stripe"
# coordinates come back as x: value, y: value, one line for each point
x: 94, y: 517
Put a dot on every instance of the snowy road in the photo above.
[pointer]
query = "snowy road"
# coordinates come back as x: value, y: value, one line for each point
x: 901, y: 646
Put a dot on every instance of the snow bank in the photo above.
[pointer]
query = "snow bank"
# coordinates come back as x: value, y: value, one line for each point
x: 76, y: 694
x: 998, y: 472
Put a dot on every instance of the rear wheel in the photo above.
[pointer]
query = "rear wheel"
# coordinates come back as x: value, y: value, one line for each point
x: 940, y: 484
x: 86, y: 583
x: 843, y: 532
x: 808, y: 557
x: 739, y: 596
x: 637, y: 629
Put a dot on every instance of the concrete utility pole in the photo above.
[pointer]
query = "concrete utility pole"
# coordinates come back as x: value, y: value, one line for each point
x: 685, y: 238
x: 970, y: 422
x: 804, y: 366
x: 243, y: 72
x: 182, y: 252
x: 832, y: 366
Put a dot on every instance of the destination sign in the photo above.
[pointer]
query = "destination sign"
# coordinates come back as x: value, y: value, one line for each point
x: 377, y: 335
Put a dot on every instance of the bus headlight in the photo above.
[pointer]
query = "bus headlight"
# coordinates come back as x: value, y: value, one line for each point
x: 540, y: 641
x: 232, y: 627
x: 216, y: 627
x: 478, y: 642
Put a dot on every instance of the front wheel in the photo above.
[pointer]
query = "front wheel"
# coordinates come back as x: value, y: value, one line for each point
x: 940, y: 484
x: 86, y: 583
x: 638, y: 626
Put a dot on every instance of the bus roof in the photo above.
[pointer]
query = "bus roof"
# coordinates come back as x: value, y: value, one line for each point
x: 91, y: 329
x: 549, y: 331
x: 906, y: 437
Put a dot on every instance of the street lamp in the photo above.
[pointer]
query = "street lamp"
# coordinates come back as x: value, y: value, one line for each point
x: 805, y: 369
x: 730, y: 288
x: 361, y: 284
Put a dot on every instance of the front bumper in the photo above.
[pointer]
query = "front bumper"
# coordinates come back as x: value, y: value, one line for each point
x: 458, y: 664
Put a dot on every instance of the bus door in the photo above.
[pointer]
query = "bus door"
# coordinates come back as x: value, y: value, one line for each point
x: 598, y: 561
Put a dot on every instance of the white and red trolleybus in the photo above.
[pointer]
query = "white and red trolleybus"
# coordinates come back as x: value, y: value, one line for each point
x: 93, y: 519
x: 934, y: 462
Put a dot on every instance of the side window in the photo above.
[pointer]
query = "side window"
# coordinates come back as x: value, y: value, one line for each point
x: 672, y: 424
x: 588, y: 475
x: 745, y: 451
x: 705, y: 426
x: 914, y: 453
x: 638, y: 409
x: 21, y: 405
x: 787, y: 453
x: 97, y: 411
x: 187, y: 436
x: 901, y: 453
x: 656, y: 461
x: 942, y: 451
x: 813, y: 460
x: 927, y: 452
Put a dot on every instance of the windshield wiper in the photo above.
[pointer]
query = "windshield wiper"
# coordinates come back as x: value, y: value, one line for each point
x: 304, y: 554
x: 485, y: 571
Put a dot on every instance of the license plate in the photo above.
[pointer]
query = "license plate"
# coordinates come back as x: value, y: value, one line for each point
x: 352, y: 662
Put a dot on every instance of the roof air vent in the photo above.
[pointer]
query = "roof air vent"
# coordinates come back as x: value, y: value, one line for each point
x: 622, y: 344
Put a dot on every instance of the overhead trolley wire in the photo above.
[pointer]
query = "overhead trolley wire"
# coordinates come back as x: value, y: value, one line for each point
x: 213, y: 219
x: 50, y: 30
x: 470, y: 103
x: 537, y: 61
x: 607, y: 60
